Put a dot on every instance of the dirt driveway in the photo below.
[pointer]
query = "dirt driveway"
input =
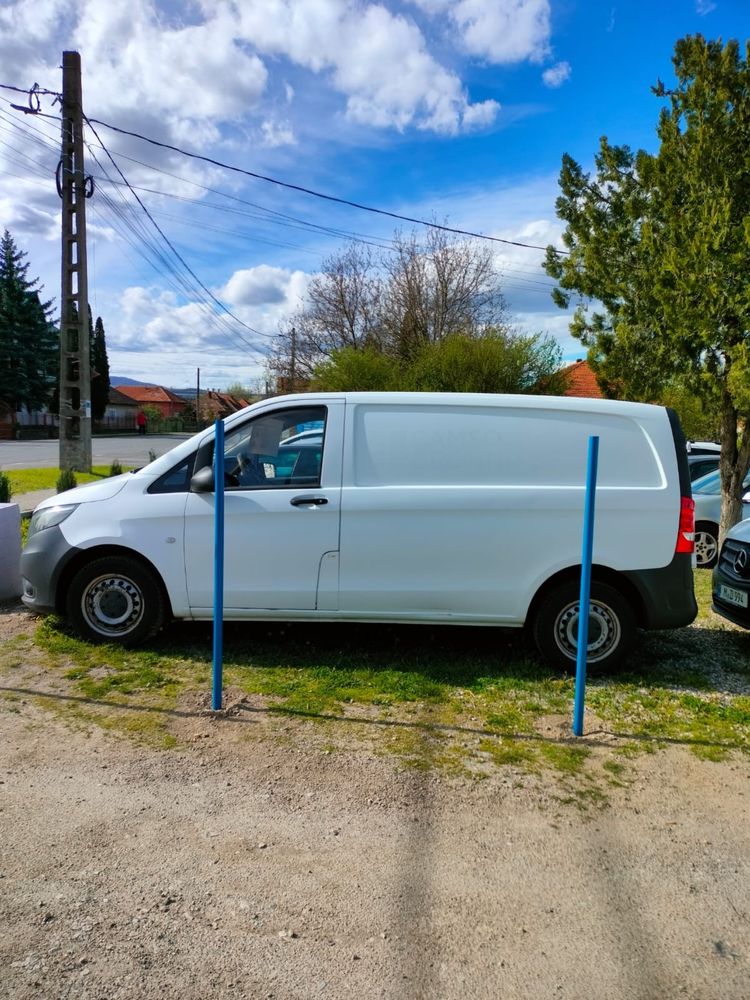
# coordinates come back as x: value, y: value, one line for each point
x: 251, y: 862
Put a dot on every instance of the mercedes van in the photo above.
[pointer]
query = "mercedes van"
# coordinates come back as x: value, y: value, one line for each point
x: 457, y: 509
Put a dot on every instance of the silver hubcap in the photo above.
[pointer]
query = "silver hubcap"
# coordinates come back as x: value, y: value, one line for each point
x: 706, y: 547
x: 604, y: 631
x: 112, y: 605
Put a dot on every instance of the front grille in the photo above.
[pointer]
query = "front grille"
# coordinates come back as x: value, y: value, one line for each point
x: 735, y: 559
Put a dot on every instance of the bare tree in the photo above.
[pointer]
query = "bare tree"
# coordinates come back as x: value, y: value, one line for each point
x: 436, y: 288
x: 342, y: 310
x: 418, y: 293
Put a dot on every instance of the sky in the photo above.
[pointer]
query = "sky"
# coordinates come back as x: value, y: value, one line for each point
x: 456, y: 111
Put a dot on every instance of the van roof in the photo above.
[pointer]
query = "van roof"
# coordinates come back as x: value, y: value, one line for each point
x: 574, y: 403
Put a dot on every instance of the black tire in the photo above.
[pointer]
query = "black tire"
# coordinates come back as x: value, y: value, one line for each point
x: 611, y: 626
x: 115, y: 599
x: 706, y: 544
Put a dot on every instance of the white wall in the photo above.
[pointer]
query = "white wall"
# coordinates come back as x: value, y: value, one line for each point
x: 10, y: 551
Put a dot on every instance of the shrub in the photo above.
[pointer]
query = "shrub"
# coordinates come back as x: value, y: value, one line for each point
x: 66, y: 481
x: 115, y: 468
x: 5, y: 491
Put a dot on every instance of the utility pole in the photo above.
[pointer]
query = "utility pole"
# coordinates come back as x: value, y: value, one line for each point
x: 74, y: 188
x: 198, y: 401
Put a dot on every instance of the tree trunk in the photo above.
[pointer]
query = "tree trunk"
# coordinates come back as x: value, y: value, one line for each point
x: 733, y: 463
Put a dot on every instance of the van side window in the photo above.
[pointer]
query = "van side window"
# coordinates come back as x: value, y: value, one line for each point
x: 276, y: 450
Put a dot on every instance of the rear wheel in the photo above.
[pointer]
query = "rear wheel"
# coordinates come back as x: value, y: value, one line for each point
x: 116, y: 599
x: 611, y: 626
x: 706, y: 544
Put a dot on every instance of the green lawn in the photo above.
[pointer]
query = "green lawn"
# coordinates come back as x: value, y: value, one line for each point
x: 454, y: 698
x: 30, y: 480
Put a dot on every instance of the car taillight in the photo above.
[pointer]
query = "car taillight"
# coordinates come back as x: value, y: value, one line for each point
x: 686, y: 530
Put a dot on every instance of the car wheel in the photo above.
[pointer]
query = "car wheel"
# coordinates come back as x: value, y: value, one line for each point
x: 116, y: 599
x: 611, y: 626
x: 706, y: 544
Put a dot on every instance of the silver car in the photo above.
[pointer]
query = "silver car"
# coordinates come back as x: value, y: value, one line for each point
x: 707, y: 496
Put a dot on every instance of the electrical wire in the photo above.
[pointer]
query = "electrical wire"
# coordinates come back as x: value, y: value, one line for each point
x: 311, y: 191
x: 131, y: 228
x: 271, y: 215
x: 176, y: 253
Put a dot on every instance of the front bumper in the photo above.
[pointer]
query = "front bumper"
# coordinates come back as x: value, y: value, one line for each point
x: 732, y: 570
x: 43, y: 560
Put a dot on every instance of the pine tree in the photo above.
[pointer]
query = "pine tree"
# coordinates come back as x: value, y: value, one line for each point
x: 658, y: 252
x: 29, y: 341
x: 99, y: 368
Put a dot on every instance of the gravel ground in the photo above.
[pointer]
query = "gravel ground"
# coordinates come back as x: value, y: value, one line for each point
x: 251, y: 862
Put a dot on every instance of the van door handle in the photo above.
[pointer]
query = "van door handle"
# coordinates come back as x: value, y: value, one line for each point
x: 308, y: 501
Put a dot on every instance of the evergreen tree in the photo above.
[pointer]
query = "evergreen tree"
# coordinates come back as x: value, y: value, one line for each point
x: 99, y: 368
x: 662, y: 243
x: 29, y: 341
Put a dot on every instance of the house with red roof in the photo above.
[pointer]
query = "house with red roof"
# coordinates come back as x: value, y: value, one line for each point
x: 582, y: 381
x: 214, y: 404
x: 168, y: 403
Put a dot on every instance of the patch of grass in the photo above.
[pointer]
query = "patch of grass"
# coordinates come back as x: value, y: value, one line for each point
x: 564, y: 757
x: 514, y: 753
x: 457, y: 700
x: 30, y: 480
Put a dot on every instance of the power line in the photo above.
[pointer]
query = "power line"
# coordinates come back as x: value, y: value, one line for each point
x: 140, y: 240
x: 312, y: 192
x: 177, y: 254
x: 290, y: 186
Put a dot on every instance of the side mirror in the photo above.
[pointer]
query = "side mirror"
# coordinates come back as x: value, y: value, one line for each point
x: 203, y: 480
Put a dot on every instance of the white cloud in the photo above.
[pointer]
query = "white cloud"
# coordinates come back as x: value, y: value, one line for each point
x: 503, y: 31
x: 556, y: 75
x: 377, y: 59
x: 262, y: 285
x: 277, y: 134
x: 703, y: 7
x: 151, y: 336
x: 190, y: 72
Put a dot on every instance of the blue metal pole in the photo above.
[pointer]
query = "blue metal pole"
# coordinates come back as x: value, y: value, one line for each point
x: 583, y: 607
x: 216, y: 697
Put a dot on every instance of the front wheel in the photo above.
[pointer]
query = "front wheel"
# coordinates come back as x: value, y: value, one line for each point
x: 115, y: 599
x: 611, y: 626
x: 706, y: 544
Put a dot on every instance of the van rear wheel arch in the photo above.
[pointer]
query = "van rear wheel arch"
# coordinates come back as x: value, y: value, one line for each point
x: 616, y: 611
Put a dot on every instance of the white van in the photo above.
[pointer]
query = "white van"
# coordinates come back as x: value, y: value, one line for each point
x: 395, y: 507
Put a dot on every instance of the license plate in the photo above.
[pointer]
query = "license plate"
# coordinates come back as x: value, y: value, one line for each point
x: 732, y: 596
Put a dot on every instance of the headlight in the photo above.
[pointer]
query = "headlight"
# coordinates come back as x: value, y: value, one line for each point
x: 48, y: 517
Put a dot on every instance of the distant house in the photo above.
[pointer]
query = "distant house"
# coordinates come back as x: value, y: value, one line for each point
x: 168, y: 403
x: 27, y: 424
x: 120, y: 413
x: 582, y: 381
x: 218, y: 405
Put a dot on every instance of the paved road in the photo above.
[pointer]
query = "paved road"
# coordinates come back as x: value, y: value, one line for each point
x: 129, y: 450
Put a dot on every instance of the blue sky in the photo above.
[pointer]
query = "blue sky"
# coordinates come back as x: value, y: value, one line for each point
x: 457, y: 110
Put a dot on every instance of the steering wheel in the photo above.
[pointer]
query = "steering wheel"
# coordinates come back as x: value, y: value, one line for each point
x: 248, y: 471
